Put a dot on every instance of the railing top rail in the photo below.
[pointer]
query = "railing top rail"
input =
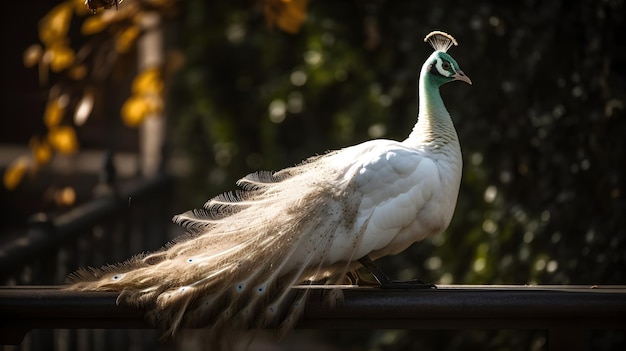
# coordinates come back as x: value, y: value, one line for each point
x: 449, y: 307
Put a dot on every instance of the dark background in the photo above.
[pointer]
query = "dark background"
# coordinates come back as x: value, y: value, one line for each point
x: 542, y: 128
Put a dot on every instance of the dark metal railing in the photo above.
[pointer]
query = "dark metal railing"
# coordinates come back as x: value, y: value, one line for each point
x: 566, y: 312
x: 125, y: 217
x: 112, y: 226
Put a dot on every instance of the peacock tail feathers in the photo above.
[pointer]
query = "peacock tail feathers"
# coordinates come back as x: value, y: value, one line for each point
x: 242, y: 253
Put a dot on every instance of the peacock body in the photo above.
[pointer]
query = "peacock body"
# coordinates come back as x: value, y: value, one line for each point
x: 312, y: 223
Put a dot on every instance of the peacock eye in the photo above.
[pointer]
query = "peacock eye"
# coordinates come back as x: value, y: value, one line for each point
x: 446, y: 65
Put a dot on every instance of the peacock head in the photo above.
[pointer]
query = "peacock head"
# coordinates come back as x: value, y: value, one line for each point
x: 440, y: 66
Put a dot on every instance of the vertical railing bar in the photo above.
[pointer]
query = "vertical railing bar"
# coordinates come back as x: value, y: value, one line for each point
x: 152, y: 130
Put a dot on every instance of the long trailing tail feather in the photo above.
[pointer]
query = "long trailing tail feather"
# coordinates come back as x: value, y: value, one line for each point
x: 242, y: 254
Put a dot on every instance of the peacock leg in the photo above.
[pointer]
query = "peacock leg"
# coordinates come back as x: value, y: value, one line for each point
x: 356, y: 278
x: 387, y: 283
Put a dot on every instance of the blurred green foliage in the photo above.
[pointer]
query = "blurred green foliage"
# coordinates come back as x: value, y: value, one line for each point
x: 543, y: 128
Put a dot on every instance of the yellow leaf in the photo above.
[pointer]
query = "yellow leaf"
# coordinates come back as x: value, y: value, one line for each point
x: 293, y: 16
x: 77, y: 72
x: 288, y: 15
x: 63, y: 139
x: 93, y: 25
x: 134, y: 111
x: 15, y: 172
x: 65, y: 196
x: 126, y: 39
x: 42, y: 152
x: 55, y: 24
x: 32, y: 55
x: 148, y: 82
x: 54, y: 113
x: 61, y: 56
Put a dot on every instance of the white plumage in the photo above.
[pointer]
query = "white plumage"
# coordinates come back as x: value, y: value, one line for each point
x: 311, y: 223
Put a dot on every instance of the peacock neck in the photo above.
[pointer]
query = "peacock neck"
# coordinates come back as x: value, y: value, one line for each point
x: 434, y: 126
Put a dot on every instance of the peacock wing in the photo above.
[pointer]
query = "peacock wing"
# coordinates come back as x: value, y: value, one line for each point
x: 398, y: 191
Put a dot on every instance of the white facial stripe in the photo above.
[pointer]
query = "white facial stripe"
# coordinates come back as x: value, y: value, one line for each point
x: 440, y: 69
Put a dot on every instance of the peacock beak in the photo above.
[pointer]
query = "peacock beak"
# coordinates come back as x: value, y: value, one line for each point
x: 459, y: 75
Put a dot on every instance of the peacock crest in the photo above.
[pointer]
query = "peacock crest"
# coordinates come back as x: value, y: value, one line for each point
x: 440, y: 41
